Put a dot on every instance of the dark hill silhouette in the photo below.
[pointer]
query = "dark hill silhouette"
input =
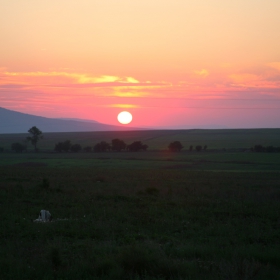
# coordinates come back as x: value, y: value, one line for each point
x: 16, y: 122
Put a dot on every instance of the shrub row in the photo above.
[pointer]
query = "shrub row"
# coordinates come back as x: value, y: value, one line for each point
x: 268, y: 149
x: 103, y: 146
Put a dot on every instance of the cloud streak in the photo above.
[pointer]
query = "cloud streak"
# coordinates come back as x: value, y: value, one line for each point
x: 55, y: 93
x: 56, y: 78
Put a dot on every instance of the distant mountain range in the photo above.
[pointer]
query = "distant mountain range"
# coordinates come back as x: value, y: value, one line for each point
x: 16, y: 122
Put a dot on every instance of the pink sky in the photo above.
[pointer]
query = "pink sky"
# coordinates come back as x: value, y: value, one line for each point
x: 176, y: 64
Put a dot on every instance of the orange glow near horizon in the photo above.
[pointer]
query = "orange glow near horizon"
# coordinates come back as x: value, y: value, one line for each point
x: 173, y: 64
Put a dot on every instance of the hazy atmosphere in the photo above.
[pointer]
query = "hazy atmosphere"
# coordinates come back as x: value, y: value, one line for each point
x: 172, y: 64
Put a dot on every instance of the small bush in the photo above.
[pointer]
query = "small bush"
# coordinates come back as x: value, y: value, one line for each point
x: 198, y: 148
x: 106, y: 267
x: 137, y: 146
x: 152, y: 191
x: 76, y: 148
x: 45, y: 183
x: 87, y: 149
x: 141, y: 261
x: 100, y: 179
x: 55, y: 258
x: 63, y: 146
x: 136, y: 260
x: 239, y: 269
x: 175, y: 146
x: 18, y: 147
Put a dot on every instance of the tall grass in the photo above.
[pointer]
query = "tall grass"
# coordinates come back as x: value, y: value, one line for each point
x: 146, y: 223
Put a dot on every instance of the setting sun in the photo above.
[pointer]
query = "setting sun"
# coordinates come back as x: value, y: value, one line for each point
x: 175, y: 65
x: 124, y: 117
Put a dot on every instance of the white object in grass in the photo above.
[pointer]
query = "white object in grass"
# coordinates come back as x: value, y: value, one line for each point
x: 44, y: 216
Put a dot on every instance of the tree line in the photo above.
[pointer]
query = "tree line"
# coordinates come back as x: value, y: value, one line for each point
x: 116, y: 145
x: 267, y: 149
x: 176, y: 146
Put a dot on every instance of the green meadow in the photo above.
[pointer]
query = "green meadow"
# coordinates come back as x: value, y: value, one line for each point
x: 213, y: 214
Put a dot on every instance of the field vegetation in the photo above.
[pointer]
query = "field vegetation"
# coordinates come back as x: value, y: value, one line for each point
x: 155, y: 214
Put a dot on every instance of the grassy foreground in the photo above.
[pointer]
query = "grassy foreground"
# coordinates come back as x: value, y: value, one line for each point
x: 141, y: 218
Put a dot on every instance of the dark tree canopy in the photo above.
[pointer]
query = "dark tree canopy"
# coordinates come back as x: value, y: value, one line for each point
x: 269, y: 149
x: 145, y: 147
x: 103, y: 146
x: 18, y: 147
x: 118, y: 145
x: 198, y: 148
x: 36, y: 135
x: 63, y: 146
x: 88, y: 149
x: 175, y: 146
x: 76, y: 148
x: 137, y: 146
x: 259, y: 148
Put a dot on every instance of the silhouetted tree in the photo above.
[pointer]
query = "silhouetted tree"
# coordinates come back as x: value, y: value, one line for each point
x: 136, y: 146
x: 270, y: 149
x: 198, y: 148
x: 18, y: 147
x: 58, y: 147
x: 175, y: 146
x: 97, y: 147
x: 76, y: 148
x: 118, y: 145
x: 205, y: 147
x: 36, y: 135
x: 259, y: 148
x: 191, y: 148
x: 145, y: 147
x: 63, y: 146
x: 103, y: 146
x: 88, y: 149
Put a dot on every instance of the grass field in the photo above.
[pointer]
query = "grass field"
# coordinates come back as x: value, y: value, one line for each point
x: 145, y: 215
x: 207, y: 161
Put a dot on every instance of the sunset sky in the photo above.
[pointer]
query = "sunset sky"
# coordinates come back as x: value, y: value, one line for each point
x: 176, y: 64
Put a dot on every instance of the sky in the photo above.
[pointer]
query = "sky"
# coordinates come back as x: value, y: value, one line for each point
x: 172, y: 64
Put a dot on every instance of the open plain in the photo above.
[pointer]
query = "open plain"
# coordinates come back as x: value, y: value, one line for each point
x: 213, y: 214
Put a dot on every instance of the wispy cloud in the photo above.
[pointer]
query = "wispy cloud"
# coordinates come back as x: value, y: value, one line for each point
x: 123, y: 106
x: 275, y: 65
x: 63, y: 88
x: 261, y: 77
x: 53, y: 81
x: 53, y: 77
x: 202, y: 72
